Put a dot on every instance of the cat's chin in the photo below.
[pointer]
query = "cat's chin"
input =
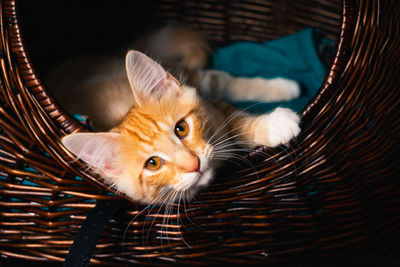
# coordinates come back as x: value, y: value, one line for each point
x: 204, y: 177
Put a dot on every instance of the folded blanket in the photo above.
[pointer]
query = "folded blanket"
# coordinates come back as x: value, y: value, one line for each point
x: 294, y: 57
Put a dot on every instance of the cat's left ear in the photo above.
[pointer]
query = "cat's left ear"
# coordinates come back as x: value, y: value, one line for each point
x: 147, y: 78
x: 99, y: 150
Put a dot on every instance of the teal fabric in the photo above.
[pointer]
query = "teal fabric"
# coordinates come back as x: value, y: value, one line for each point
x: 293, y: 57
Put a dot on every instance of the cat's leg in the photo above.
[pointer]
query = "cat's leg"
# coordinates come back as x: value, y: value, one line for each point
x: 217, y: 84
x: 271, y: 129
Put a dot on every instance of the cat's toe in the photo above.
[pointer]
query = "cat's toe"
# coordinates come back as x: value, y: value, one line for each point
x: 281, y: 126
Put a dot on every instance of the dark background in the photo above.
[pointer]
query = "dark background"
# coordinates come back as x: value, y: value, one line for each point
x: 56, y: 30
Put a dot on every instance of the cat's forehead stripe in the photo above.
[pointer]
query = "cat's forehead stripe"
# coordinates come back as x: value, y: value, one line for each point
x: 141, y: 137
x: 150, y: 119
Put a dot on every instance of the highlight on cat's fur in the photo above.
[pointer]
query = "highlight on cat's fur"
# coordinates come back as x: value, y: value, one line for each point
x: 171, y: 141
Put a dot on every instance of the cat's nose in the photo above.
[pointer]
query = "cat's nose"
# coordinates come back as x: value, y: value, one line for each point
x: 193, y: 165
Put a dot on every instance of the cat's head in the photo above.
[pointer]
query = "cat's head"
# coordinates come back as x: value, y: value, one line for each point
x: 160, y: 151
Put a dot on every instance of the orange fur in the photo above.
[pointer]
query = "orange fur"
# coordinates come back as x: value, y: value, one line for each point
x: 148, y: 130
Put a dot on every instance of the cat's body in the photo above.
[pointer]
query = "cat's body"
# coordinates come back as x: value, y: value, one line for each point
x: 171, y: 140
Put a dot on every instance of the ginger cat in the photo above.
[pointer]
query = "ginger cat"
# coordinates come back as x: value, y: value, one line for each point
x: 171, y: 141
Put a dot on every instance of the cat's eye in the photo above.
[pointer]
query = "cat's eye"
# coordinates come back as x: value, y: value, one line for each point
x: 182, y: 129
x: 154, y: 163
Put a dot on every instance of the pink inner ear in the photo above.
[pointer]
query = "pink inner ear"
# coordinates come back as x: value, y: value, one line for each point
x: 147, y: 78
x: 99, y: 150
x: 110, y: 170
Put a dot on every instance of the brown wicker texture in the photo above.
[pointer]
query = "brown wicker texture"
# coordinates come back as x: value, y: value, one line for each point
x: 334, y: 191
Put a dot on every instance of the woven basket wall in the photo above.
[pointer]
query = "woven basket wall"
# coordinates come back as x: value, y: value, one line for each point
x: 336, y: 190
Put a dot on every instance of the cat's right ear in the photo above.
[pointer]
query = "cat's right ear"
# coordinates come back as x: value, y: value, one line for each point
x: 147, y: 78
x: 99, y: 150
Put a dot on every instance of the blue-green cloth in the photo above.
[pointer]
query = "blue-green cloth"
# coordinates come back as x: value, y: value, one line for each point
x: 294, y: 57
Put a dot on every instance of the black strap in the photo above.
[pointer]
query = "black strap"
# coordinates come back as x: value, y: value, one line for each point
x: 85, y: 241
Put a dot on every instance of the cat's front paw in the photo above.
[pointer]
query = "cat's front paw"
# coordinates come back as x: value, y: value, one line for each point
x: 277, y: 128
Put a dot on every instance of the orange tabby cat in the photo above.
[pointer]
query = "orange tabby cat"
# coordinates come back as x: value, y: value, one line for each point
x: 171, y: 140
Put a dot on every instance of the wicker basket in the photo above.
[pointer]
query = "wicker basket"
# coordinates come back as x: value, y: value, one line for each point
x: 336, y: 190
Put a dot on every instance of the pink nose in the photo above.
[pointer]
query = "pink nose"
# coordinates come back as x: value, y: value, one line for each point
x: 193, y: 165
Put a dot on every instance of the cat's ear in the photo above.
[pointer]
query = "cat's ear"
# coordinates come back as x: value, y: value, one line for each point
x: 99, y: 150
x: 147, y: 78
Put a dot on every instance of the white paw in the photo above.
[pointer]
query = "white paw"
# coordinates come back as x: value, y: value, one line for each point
x: 277, y: 127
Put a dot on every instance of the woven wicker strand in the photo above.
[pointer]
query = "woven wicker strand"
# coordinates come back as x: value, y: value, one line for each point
x: 335, y: 190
